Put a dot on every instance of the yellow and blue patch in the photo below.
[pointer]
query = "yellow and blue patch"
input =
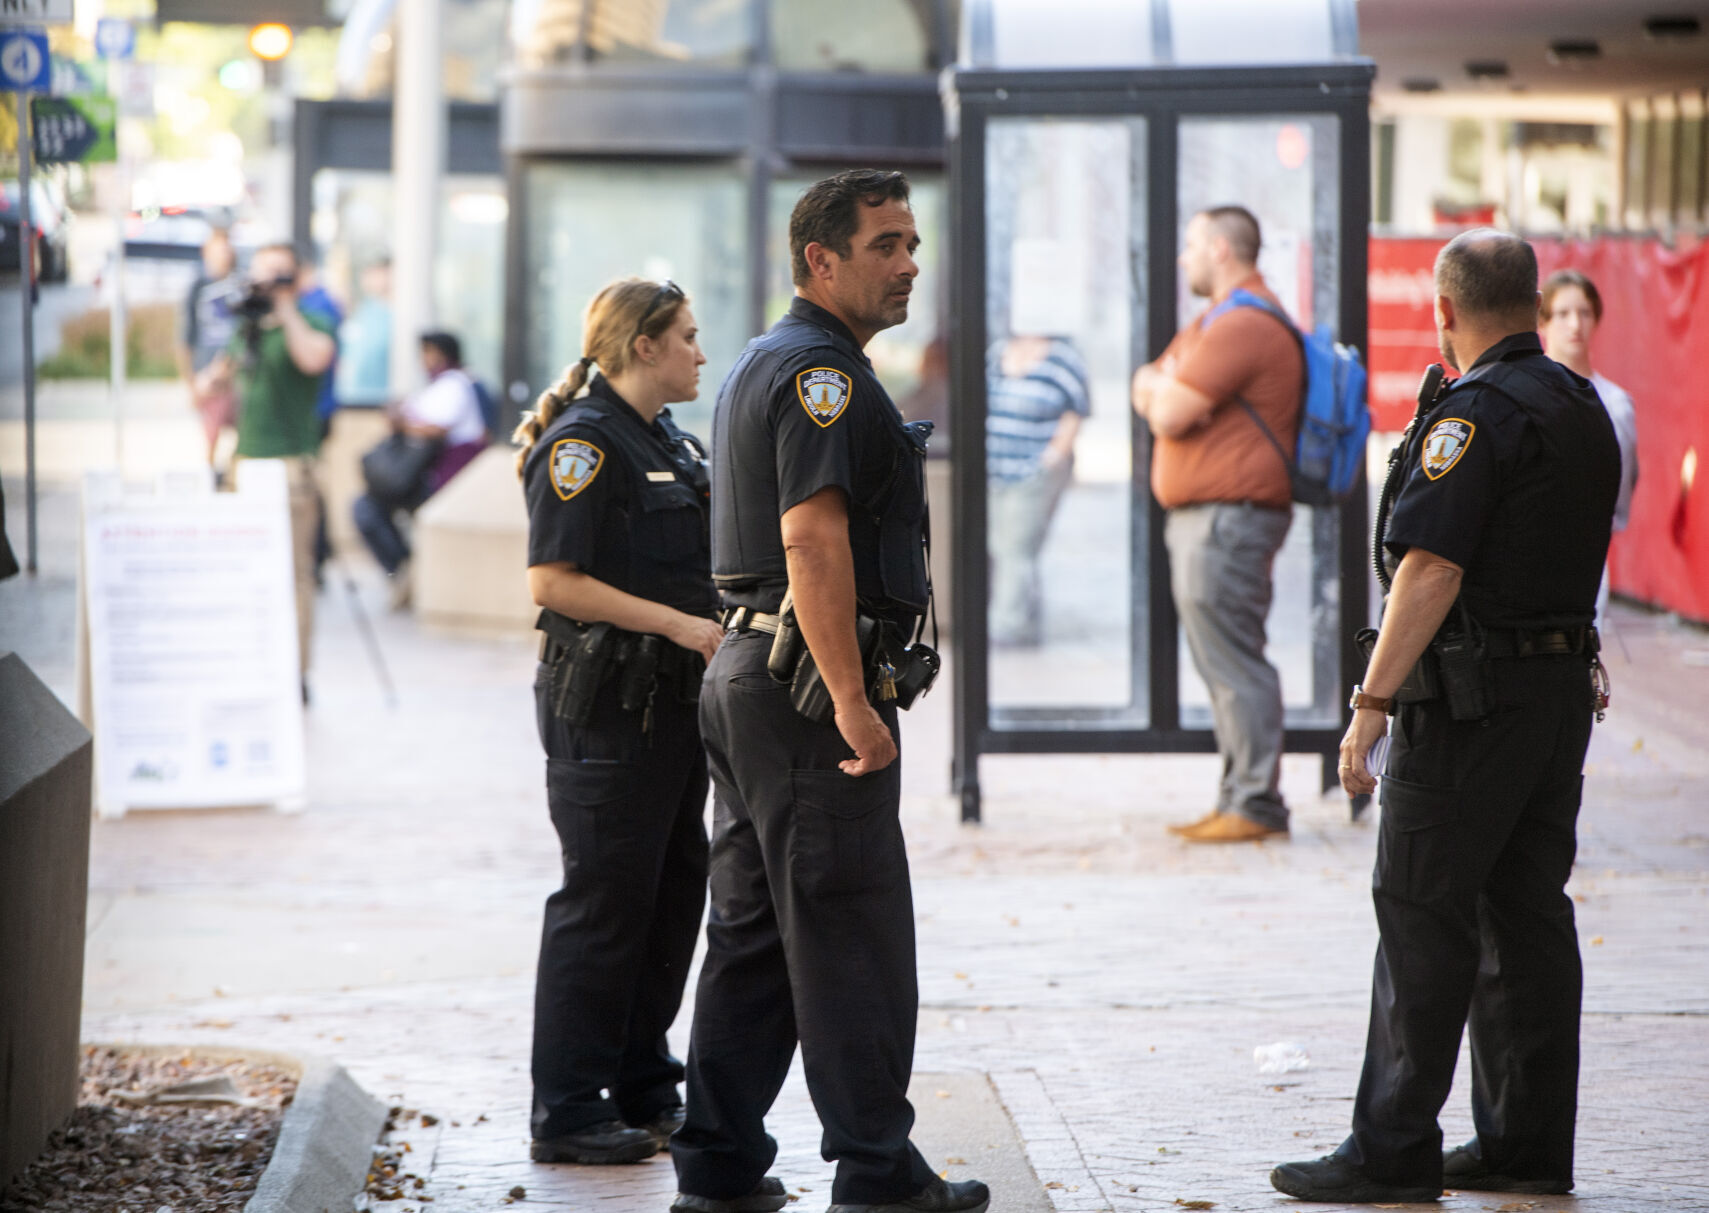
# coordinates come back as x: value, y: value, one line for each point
x: 574, y: 465
x: 1445, y: 444
x: 825, y: 393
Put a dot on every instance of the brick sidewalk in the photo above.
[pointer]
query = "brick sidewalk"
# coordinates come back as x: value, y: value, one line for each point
x: 1110, y: 980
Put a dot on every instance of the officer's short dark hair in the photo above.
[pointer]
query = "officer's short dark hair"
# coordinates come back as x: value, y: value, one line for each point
x: 1490, y: 274
x: 1239, y: 227
x: 446, y: 343
x: 1560, y: 280
x: 829, y: 212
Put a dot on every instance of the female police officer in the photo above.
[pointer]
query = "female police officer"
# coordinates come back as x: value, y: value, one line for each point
x: 619, y: 561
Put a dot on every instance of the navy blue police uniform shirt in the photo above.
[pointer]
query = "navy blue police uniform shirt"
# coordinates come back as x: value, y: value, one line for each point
x: 800, y: 412
x: 1513, y: 477
x: 622, y: 500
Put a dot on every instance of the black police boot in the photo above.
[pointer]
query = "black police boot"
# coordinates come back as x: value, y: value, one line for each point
x: 939, y: 1196
x: 1464, y: 1167
x: 767, y: 1197
x: 664, y: 1123
x: 1333, y: 1179
x: 609, y: 1141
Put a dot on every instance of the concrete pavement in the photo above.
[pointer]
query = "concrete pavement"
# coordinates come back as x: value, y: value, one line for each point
x: 1091, y: 988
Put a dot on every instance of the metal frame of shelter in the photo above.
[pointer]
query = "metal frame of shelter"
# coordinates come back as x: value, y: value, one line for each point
x: 1163, y: 96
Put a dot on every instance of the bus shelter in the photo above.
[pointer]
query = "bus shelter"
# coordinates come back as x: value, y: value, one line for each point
x: 1070, y: 189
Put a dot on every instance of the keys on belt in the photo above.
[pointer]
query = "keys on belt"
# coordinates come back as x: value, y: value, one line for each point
x: 747, y: 619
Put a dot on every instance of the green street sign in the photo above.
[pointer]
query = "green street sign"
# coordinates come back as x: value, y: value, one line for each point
x: 71, y: 129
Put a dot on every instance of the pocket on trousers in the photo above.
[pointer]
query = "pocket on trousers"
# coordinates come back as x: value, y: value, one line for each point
x: 589, y: 803
x: 846, y: 836
x: 1417, y: 848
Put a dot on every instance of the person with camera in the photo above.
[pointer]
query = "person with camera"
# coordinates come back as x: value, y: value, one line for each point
x: 435, y: 433
x: 279, y: 355
x: 818, y: 496
x: 618, y: 560
x: 1485, y: 674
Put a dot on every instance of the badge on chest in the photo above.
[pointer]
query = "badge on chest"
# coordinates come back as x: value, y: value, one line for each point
x: 824, y: 393
x: 574, y: 465
x: 1444, y: 444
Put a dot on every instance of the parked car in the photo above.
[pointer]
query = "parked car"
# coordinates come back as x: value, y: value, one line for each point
x: 51, y: 220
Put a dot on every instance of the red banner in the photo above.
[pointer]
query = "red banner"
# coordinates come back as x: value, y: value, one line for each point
x: 1653, y: 341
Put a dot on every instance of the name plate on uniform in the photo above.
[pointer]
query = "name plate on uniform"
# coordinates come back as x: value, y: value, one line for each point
x: 661, y: 477
x: 191, y: 668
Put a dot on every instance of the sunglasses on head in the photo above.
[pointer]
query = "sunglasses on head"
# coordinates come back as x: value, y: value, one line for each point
x: 667, y: 290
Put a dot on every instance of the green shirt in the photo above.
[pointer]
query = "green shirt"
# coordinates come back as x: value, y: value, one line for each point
x: 276, y: 411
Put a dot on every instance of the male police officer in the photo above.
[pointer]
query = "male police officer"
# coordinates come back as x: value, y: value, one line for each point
x: 1500, y: 527
x: 818, y: 490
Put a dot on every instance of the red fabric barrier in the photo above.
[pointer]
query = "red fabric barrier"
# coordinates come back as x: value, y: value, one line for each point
x: 1653, y: 341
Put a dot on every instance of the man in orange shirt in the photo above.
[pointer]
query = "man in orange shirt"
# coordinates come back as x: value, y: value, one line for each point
x: 1227, y: 492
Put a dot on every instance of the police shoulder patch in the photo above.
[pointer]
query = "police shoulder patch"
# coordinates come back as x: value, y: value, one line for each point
x: 825, y: 393
x: 574, y: 465
x: 1444, y: 444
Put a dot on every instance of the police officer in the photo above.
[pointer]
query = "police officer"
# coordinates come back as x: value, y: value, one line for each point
x: 619, y: 560
x: 1500, y: 527
x: 817, y: 490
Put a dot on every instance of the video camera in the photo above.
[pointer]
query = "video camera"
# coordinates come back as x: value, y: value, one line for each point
x: 253, y: 306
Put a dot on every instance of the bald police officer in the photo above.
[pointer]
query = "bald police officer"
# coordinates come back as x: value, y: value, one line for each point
x: 817, y: 489
x: 1500, y: 528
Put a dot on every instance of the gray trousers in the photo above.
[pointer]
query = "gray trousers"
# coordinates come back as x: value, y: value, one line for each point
x: 1020, y: 516
x: 1221, y: 557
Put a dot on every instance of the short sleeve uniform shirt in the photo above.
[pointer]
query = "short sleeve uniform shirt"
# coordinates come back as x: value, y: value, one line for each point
x: 802, y: 411
x: 1513, y: 477
x: 622, y: 500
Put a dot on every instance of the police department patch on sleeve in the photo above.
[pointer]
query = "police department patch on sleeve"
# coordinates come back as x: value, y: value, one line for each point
x: 824, y: 393
x: 1444, y: 444
x: 574, y: 465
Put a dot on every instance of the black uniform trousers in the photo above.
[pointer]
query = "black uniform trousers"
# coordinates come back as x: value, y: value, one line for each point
x: 810, y: 938
x: 619, y: 936
x: 1476, y: 930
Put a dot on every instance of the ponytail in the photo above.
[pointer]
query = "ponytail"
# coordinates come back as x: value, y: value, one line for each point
x: 546, y: 409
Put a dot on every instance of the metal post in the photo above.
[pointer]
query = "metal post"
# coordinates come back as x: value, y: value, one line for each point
x: 418, y: 165
x: 26, y: 285
x: 117, y: 322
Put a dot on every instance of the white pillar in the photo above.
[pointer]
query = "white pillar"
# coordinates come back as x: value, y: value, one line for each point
x: 418, y: 163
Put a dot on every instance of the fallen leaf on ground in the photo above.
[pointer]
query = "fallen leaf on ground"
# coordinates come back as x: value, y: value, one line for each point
x: 518, y: 1192
x: 1053, y: 1184
x: 1595, y: 942
x: 1195, y: 1204
x: 952, y: 1161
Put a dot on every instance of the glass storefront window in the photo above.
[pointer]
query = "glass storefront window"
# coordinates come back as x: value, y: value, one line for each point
x: 1286, y: 171
x: 1065, y: 224
x: 835, y: 36
x: 590, y: 222
x: 352, y: 227
x: 706, y: 33
x: 910, y: 359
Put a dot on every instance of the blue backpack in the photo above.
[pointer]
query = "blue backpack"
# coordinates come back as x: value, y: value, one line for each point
x: 489, y: 408
x: 1335, y: 420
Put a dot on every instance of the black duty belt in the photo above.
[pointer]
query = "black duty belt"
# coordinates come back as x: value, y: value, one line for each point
x: 1526, y: 642
x: 747, y: 619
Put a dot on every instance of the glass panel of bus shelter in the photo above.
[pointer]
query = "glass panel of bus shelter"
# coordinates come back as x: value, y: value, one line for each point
x: 1285, y: 169
x: 1065, y: 221
x: 591, y: 221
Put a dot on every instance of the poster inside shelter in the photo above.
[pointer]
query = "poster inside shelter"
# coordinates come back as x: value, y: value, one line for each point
x: 193, y: 644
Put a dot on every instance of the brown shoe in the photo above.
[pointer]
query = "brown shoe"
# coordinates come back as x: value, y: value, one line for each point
x: 1188, y: 827
x: 1231, y: 827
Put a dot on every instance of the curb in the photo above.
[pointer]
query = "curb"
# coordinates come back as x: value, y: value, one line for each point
x: 326, y: 1139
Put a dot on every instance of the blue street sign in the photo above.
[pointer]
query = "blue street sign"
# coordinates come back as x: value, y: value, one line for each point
x: 115, y: 38
x: 24, y: 64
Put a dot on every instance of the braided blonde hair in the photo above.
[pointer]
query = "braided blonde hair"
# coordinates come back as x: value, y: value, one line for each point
x: 610, y: 326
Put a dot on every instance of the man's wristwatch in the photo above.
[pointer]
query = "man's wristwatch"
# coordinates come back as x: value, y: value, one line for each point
x: 1377, y: 703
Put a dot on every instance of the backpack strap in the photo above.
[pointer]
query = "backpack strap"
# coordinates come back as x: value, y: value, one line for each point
x: 1241, y: 297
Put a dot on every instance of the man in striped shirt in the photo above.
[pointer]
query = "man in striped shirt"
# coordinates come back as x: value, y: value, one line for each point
x: 1036, y: 398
